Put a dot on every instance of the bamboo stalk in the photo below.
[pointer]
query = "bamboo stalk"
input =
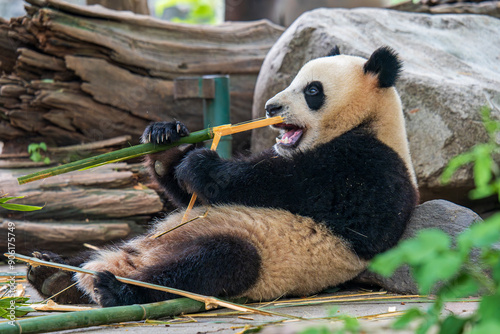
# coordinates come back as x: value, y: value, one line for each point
x: 149, y: 148
x: 102, y: 316
x: 115, y: 156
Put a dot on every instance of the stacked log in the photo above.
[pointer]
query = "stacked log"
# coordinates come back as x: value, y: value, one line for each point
x: 78, y: 74
x: 92, y: 206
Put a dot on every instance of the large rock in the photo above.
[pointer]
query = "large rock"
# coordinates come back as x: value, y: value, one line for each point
x: 451, y: 69
x: 450, y: 218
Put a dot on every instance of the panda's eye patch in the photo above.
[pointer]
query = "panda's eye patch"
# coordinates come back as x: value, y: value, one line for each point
x: 312, y: 89
x: 314, y: 95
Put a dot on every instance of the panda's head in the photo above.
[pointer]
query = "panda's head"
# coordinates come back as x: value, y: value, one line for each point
x: 334, y: 94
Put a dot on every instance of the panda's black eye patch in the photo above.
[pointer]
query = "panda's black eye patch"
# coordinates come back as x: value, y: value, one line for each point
x: 314, y: 95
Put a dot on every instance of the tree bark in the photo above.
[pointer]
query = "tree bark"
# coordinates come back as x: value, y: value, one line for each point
x: 135, y: 6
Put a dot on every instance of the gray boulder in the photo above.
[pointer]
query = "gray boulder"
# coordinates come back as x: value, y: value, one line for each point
x: 451, y: 69
x: 444, y: 215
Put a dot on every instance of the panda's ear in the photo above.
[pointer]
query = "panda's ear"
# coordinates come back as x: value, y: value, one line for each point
x: 384, y: 63
x: 334, y: 52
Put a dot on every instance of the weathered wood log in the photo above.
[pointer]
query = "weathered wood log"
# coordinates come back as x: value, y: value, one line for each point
x: 101, y: 193
x: 64, y: 237
x: 8, y: 46
x: 82, y: 74
x: 144, y: 96
x: 20, y: 163
x: 64, y: 154
x: 136, y: 6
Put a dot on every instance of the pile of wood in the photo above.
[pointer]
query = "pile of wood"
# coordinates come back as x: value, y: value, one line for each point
x: 73, y: 75
x: 78, y: 74
x: 95, y: 206
x: 92, y: 206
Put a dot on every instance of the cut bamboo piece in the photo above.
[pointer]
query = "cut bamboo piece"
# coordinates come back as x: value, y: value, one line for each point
x: 52, y: 306
x: 101, y: 316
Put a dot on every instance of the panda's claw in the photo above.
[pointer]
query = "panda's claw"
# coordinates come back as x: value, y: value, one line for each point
x: 164, y: 132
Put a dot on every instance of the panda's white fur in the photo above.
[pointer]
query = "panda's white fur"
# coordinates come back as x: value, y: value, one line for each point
x: 291, y: 221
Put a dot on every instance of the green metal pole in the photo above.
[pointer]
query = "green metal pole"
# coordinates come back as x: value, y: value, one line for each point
x: 216, y: 111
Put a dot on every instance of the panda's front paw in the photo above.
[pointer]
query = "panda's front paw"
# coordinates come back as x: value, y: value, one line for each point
x: 164, y: 132
x: 196, y: 167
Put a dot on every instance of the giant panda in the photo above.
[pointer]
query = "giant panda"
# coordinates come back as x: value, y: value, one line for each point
x: 337, y: 188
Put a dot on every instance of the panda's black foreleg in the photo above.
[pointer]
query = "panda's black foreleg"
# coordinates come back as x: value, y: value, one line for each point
x: 222, y: 266
x: 161, y: 165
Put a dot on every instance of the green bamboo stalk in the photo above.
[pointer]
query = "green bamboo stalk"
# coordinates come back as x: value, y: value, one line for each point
x: 102, y: 316
x: 115, y: 156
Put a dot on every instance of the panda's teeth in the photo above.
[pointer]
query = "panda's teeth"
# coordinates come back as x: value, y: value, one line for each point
x: 278, y: 140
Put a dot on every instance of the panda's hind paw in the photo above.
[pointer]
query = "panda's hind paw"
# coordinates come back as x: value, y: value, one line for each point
x: 49, y: 281
x: 164, y: 132
x: 107, y: 289
x: 48, y: 256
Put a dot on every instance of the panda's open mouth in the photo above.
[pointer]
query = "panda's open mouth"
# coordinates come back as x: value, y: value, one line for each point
x: 290, y: 134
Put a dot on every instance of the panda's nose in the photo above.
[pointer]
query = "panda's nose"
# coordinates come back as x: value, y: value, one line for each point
x: 273, y: 109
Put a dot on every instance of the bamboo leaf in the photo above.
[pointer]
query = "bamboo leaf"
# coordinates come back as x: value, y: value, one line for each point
x: 20, y: 207
x: 6, y: 199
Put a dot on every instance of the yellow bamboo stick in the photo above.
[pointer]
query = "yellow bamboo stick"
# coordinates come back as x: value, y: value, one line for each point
x: 218, y: 132
x: 215, y: 143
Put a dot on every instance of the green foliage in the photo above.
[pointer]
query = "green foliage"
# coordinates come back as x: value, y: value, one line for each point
x: 17, y: 207
x: 350, y: 325
x: 196, y: 11
x: 446, y: 270
x: 429, y: 250
x: 11, y: 307
x: 35, y: 151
